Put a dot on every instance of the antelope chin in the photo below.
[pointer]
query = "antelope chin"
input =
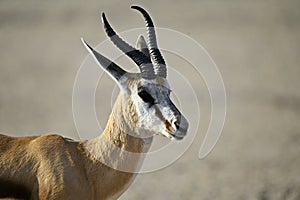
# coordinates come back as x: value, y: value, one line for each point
x: 172, y: 135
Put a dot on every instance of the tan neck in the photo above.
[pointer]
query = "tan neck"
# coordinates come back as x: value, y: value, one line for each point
x: 117, y: 154
x: 121, y: 132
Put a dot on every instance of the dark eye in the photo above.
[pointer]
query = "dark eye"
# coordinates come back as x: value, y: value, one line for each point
x: 146, y: 97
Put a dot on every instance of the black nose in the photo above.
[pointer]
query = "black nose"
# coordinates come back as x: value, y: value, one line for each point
x: 176, y: 123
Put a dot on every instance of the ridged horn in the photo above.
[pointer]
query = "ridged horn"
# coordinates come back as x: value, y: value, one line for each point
x: 159, y: 62
x: 112, y: 68
x: 143, y: 62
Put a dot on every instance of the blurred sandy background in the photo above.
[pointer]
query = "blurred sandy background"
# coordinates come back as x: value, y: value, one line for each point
x: 256, y: 45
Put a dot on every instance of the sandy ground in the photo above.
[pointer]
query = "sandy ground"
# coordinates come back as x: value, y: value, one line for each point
x: 256, y: 45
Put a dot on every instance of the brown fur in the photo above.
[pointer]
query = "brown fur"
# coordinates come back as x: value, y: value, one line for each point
x: 53, y: 167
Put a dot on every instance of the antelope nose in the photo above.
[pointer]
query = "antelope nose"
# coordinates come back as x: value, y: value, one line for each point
x: 177, y: 124
x: 181, y: 124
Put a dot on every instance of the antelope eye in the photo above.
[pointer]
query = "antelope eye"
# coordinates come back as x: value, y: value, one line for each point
x: 146, y: 97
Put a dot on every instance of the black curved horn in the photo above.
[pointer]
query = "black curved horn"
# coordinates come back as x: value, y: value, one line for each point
x: 112, y: 68
x: 159, y: 62
x: 138, y: 57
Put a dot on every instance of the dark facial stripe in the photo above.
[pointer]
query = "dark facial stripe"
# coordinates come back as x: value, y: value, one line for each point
x: 168, y: 125
x: 161, y: 117
x: 158, y: 113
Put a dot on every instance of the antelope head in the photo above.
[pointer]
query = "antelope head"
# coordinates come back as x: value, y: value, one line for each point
x: 148, y: 92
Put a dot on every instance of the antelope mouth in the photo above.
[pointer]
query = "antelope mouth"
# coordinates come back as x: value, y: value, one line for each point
x: 178, y: 135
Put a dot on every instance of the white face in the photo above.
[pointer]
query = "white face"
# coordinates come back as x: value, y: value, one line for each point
x: 156, y: 111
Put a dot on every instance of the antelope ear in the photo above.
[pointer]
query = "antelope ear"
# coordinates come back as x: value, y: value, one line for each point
x: 110, y: 67
x: 142, y: 46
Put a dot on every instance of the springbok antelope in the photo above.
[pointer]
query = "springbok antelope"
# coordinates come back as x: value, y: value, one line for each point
x: 54, y: 167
